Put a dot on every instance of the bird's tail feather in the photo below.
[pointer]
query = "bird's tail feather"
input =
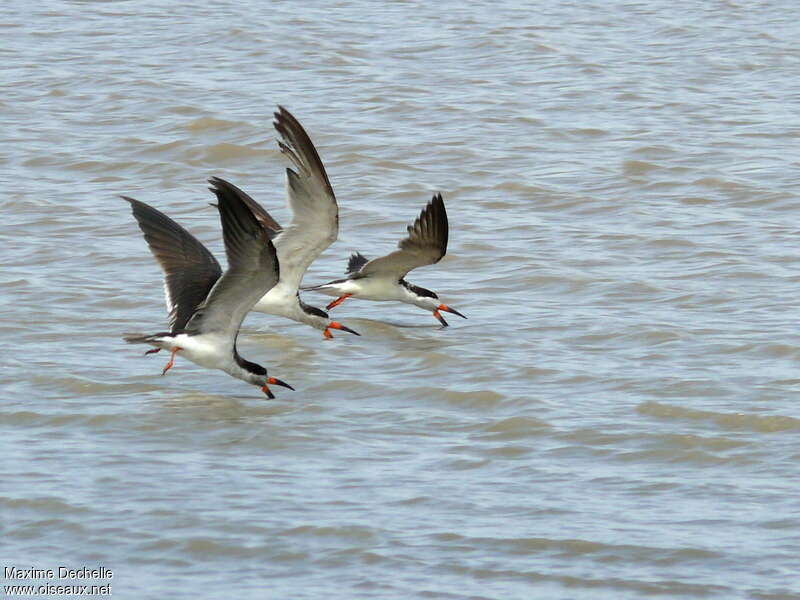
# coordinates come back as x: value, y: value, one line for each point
x: 142, y: 338
x: 323, y: 286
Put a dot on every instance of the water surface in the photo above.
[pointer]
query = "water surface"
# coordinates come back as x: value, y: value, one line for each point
x: 616, y: 419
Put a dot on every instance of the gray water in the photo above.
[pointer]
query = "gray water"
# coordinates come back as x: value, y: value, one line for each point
x: 617, y: 418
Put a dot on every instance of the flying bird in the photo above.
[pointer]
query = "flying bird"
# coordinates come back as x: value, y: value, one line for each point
x: 314, y: 226
x: 206, y: 306
x: 384, y: 278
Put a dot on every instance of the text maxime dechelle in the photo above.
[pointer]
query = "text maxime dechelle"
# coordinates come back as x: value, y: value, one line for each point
x: 60, y: 573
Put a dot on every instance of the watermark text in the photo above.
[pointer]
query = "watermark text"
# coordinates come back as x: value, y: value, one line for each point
x: 59, y: 581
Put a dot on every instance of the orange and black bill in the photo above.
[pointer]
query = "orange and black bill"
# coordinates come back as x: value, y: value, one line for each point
x: 445, y: 308
x: 339, y: 326
x: 274, y: 381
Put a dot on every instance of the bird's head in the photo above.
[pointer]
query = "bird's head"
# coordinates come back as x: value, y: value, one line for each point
x: 319, y: 319
x: 257, y: 375
x: 264, y: 382
x: 428, y: 300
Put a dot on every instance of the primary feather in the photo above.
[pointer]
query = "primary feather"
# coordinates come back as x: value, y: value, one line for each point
x: 252, y: 266
x: 190, y: 270
x: 425, y: 244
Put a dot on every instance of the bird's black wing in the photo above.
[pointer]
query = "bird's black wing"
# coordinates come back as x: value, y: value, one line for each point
x: 190, y: 270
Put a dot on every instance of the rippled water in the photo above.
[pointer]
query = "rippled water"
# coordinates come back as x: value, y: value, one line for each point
x: 618, y: 418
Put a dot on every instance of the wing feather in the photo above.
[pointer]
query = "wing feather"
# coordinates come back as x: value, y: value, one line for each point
x: 425, y: 244
x: 269, y: 224
x: 315, y: 214
x: 357, y: 260
x: 190, y: 270
x: 252, y: 266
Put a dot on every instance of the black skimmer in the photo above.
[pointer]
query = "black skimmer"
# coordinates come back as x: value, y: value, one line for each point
x: 383, y: 278
x: 314, y: 226
x: 206, y: 306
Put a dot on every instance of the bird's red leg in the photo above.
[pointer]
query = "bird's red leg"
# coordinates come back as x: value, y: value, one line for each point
x: 152, y: 351
x: 338, y: 301
x: 171, y: 360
